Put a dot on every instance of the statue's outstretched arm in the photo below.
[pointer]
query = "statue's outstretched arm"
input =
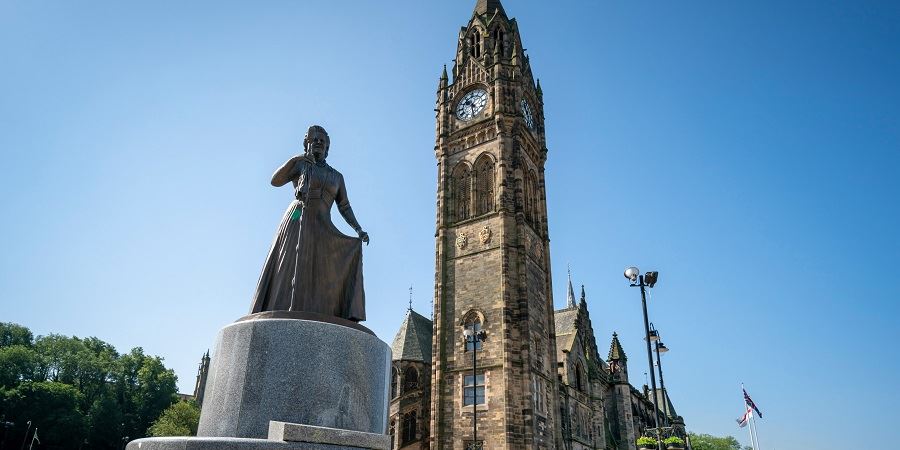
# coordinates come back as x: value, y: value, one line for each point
x: 347, y: 212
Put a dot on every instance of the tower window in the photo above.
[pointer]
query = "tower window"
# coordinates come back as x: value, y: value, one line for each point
x: 475, y: 44
x: 579, y: 375
x: 461, y: 192
x: 498, y: 41
x: 473, y: 389
x: 538, y: 388
x: 409, y: 428
x: 484, y: 185
x: 530, y: 197
x: 394, y: 382
x: 411, y: 379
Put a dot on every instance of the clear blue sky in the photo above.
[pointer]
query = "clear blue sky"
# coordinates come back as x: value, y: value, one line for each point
x: 746, y: 150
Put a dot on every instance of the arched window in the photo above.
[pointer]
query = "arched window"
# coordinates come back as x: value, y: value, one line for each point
x: 475, y: 44
x: 535, y: 194
x: 498, y: 41
x: 392, y: 432
x: 410, y: 379
x: 530, y: 196
x: 579, y: 377
x: 409, y: 428
x: 473, y: 322
x: 484, y: 185
x: 461, y: 192
x: 395, y: 382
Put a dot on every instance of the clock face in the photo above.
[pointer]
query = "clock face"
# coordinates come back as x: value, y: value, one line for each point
x: 471, y: 105
x: 526, y: 113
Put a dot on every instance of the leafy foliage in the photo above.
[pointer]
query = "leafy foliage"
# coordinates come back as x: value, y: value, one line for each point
x: 673, y: 440
x: 644, y: 440
x: 180, y: 419
x: 79, y: 392
x: 14, y: 334
x: 709, y: 442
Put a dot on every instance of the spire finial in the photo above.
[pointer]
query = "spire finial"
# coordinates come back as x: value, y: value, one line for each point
x: 570, y: 295
x: 583, y: 297
x: 488, y: 7
x: 410, y: 298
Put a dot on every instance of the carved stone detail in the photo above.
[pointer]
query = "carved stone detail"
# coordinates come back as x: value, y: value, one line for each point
x: 462, y: 240
x: 485, y: 235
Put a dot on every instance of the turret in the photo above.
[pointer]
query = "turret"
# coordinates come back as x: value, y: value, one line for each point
x: 618, y: 362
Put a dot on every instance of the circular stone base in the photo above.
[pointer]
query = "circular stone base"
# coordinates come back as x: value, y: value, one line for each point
x: 296, y: 371
x: 222, y: 443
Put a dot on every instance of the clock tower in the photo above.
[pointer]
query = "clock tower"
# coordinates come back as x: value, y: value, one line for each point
x: 492, y: 248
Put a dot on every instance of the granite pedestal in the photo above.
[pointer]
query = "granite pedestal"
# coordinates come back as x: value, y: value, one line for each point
x: 325, y: 383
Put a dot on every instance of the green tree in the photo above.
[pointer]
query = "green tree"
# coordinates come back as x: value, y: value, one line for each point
x: 18, y: 363
x: 59, y: 357
x: 105, y: 422
x: 145, y: 388
x: 180, y: 419
x: 709, y: 442
x: 53, y: 409
x: 15, y: 334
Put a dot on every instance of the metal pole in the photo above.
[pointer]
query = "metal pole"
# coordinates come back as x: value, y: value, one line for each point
x: 25, y: 439
x: 755, y: 432
x: 749, y: 427
x: 474, y: 393
x: 662, y: 386
x: 650, y: 360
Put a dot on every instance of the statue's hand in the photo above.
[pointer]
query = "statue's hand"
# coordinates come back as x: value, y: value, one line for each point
x: 364, y: 236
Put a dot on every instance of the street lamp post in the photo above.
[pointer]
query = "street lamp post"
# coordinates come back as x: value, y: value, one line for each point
x: 660, y: 349
x: 25, y: 439
x: 474, y: 337
x: 643, y: 282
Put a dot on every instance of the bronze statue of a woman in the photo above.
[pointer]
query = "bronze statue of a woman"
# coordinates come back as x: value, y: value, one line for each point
x: 312, y: 267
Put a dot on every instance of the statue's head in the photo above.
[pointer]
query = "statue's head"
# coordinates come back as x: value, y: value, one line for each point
x: 316, y: 142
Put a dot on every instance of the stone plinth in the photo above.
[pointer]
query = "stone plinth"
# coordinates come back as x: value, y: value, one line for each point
x: 291, y: 384
x: 296, y: 371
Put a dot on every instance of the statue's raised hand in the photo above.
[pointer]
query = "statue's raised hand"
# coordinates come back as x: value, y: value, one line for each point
x: 364, y: 236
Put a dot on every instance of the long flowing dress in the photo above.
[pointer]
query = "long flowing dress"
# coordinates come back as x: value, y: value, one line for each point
x: 327, y: 264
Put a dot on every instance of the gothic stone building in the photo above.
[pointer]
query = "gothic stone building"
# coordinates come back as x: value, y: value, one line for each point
x: 540, y: 382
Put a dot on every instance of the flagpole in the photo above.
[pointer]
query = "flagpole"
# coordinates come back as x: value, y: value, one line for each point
x: 749, y: 426
x: 755, y: 432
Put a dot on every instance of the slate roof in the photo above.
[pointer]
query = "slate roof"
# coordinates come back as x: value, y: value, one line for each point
x: 413, y: 340
x: 564, y: 320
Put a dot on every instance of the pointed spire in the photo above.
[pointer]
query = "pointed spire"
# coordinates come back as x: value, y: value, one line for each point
x: 583, y: 297
x: 413, y: 340
x: 540, y: 92
x: 483, y: 7
x: 570, y: 295
x: 616, y: 353
x: 444, y: 73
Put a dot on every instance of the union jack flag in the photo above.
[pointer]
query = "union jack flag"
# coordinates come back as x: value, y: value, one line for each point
x: 750, y: 403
